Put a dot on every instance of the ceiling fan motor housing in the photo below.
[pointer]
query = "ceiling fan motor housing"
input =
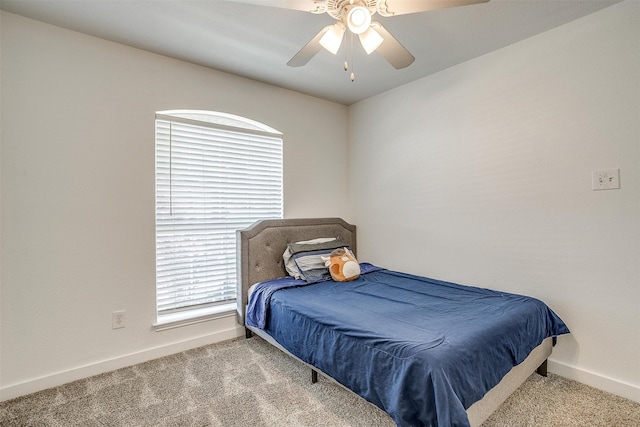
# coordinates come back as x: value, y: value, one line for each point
x: 338, y: 9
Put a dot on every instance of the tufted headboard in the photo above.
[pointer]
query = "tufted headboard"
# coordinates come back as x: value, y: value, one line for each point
x: 260, y: 248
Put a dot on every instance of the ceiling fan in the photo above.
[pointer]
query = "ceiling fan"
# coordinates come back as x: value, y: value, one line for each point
x: 356, y: 17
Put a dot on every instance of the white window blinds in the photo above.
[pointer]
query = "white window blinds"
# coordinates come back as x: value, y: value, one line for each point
x: 211, y: 180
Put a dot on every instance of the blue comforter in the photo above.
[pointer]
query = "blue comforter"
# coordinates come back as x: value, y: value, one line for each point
x: 422, y: 350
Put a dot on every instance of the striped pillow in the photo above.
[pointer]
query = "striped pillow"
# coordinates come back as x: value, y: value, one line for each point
x: 290, y: 264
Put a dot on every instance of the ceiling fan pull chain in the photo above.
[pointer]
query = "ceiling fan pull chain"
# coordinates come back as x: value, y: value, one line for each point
x: 353, y: 58
x: 346, y: 64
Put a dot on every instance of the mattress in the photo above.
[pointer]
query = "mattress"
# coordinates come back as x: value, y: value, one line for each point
x: 422, y: 350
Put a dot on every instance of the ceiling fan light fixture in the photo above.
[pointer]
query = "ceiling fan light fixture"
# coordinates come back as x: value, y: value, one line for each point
x: 332, y: 38
x: 370, y: 40
x: 358, y: 19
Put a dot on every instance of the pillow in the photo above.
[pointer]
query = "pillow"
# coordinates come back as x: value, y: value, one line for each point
x: 342, y: 265
x: 290, y: 264
x: 307, y: 258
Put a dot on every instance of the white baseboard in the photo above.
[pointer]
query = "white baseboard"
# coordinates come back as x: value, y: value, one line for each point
x: 617, y: 387
x: 59, y: 378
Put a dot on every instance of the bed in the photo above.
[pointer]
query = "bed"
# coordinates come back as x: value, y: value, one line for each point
x: 419, y: 371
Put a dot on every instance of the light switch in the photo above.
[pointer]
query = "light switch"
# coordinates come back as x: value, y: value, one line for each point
x: 608, y: 179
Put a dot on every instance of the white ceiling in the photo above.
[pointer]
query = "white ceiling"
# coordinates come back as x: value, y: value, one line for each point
x: 257, y: 41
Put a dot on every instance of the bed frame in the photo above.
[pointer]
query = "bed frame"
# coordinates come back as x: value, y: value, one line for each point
x: 259, y: 258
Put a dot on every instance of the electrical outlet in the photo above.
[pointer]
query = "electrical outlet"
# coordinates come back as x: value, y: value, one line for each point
x: 605, y: 179
x: 118, y: 319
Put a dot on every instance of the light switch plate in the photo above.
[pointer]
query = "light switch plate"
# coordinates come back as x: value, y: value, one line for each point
x: 606, y: 179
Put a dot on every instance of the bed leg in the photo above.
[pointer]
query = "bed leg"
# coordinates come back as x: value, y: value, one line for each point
x: 247, y: 333
x: 542, y: 369
x: 314, y: 376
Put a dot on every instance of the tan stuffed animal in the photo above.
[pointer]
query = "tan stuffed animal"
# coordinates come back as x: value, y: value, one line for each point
x: 343, y: 266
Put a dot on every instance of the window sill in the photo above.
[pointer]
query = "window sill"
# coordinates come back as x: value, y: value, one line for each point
x: 191, y: 317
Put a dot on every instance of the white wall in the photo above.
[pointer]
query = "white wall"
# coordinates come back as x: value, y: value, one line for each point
x: 78, y: 194
x: 481, y: 174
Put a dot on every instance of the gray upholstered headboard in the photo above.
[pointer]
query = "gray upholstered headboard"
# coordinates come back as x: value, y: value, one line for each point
x: 260, y: 248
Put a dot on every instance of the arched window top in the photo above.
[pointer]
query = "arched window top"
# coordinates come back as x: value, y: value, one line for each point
x: 218, y: 119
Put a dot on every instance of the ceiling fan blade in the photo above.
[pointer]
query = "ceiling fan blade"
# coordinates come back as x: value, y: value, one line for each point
x: 309, y: 50
x: 391, y: 49
x: 403, y: 7
x: 313, y: 6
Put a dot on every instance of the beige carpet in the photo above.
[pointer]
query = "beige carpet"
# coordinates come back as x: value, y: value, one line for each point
x: 249, y: 383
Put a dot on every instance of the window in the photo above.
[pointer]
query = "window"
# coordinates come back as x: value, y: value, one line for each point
x: 215, y: 173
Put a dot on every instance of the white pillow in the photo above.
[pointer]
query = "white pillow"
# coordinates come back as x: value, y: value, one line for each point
x: 290, y: 264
